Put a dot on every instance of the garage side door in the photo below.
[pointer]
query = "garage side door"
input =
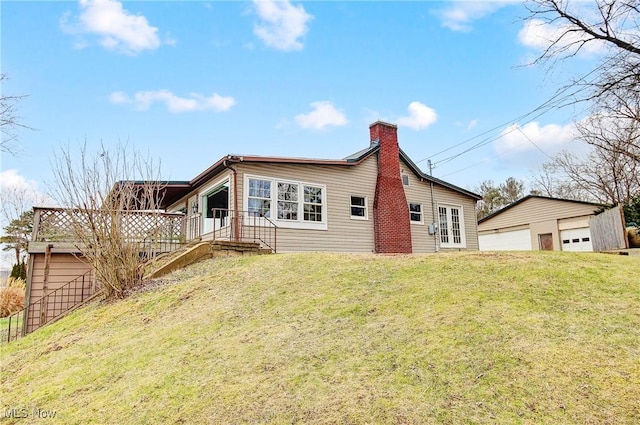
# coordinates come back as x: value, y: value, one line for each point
x: 576, y: 240
x: 517, y: 240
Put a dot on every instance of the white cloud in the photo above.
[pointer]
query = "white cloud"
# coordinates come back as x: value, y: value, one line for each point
x: 472, y: 124
x: 550, y: 138
x: 458, y: 16
x: 539, y: 35
x: 119, y: 98
x: 420, y: 116
x: 324, y: 114
x: 117, y: 28
x: 282, y: 24
x: 10, y: 179
x: 142, y: 100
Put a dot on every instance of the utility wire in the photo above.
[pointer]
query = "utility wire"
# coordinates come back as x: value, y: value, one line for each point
x: 556, y: 100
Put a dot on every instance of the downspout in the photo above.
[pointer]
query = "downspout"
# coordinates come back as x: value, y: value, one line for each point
x: 436, y: 238
x: 234, y: 217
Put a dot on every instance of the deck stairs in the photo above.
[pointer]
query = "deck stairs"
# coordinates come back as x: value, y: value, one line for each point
x: 199, y: 251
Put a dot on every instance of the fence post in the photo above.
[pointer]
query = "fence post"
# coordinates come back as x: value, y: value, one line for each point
x: 45, y: 285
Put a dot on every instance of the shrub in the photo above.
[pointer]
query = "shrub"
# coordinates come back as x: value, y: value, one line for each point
x: 19, y: 271
x: 11, y: 300
x: 632, y: 212
x: 16, y: 282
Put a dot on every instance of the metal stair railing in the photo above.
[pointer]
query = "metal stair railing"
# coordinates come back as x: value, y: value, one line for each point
x: 244, y: 226
x: 50, y: 307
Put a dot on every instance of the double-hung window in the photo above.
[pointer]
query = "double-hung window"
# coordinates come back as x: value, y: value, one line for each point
x: 415, y: 213
x: 259, y: 198
x: 359, y: 207
x: 312, y: 203
x: 287, y: 203
x: 451, y: 226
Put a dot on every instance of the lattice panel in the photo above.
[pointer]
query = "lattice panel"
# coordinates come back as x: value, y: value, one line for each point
x: 54, y: 225
x: 57, y: 225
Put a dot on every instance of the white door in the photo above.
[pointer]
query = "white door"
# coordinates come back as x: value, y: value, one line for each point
x: 576, y: 239
x: 517, y: 240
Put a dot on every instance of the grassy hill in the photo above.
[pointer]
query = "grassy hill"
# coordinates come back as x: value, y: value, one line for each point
x: 510, y: 338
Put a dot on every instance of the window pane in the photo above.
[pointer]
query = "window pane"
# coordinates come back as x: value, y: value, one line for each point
x: 313, y: 195
x: 357, y: 201
x: 312, y: 212
x: 287, y: 210
x: 357, y: 211
x: 287, y: 192
x: 416, y: 217
x: 260, y: 188
x: 259, y: 207
x: 455, y: 225
x: 444, y: 226
x: 415, y: 207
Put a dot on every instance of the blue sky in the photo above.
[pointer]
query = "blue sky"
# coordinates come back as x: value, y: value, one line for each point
x: 188, y: 82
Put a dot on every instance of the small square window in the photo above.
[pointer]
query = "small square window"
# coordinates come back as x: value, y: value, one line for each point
x: 415, y: 212
x: 359, y: 207
x: 405, y: 180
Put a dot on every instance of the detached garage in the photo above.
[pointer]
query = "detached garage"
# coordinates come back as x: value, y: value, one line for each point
x: 538, y: 223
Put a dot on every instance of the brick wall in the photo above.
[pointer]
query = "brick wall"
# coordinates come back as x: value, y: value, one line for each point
x: 390, y: 209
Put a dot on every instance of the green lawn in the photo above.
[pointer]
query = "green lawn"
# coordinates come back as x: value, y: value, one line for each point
x: 477, y: 338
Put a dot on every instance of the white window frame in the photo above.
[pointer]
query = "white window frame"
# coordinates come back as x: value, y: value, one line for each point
x: 405, y: 178
x: 298, y: 223
x: 463, y: 238
x: 413, y: 212
x: 365, y: 207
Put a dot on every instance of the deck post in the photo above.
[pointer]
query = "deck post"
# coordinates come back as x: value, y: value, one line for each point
x: 45, y: 284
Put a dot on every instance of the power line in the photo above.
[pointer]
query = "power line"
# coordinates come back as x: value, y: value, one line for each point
x: 555, y: 101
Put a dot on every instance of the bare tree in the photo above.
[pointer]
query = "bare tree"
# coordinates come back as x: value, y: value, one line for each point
x: 610, y: 173
x: 106, y: 195
x: 9, y: 120
x: 547, y: 180
x: 614, y: 126
x: 600, y: 176
x: 612, y: 24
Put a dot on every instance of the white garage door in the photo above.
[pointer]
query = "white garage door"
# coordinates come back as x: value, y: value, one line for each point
x: 517, y: 240
x: 576, y: 239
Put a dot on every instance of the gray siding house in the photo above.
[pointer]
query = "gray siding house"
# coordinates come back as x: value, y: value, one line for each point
x: 376, y: 200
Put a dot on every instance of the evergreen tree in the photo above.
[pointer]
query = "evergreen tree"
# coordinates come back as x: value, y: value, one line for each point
x: 17, y: 235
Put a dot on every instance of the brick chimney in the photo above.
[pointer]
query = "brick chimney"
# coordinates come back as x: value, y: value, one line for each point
x: 391, y: 223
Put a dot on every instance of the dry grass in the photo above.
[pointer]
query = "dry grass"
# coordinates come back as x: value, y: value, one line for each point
x: 513, y: 338
x: 16, y: 282
x: 11, y: 300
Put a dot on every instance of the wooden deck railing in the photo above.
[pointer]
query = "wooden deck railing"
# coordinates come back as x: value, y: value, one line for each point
x: 155, y: 232
x: 244, y: 226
